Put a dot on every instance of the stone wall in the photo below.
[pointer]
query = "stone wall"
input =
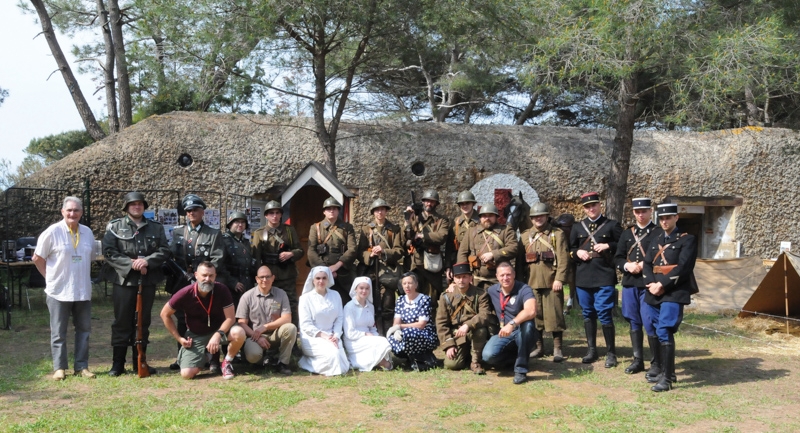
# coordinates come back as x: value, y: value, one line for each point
x: 251, y: 154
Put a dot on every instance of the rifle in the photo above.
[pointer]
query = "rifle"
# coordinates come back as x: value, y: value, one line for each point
x: 376, y: 289
x: 141, y: 363
x: 410, y: 230
x: 177, y: 275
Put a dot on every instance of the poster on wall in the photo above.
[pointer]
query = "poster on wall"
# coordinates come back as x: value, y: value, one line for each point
x: 150, y: 214
x: 168, y: 217
x: 212, y: 218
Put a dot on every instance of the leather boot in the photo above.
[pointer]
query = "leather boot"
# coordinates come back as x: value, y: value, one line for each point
x: 668, y: 361
x: 136, y: 361
x: 609, y: 333
x: 637, y: 341
x: 539, y: 351
x: 558, y: 339
x: 118, y: 361
x: 590, y: 327
x: 655, y: 362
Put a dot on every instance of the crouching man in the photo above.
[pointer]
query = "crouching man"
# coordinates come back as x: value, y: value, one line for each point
x: 208, y: 307
x: 265, y: 314
x: 462, y: 322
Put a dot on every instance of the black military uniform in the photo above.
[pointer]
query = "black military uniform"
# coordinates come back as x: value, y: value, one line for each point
x: 632, y: 248
x: 596, y: 278
x: 329, y: 243
x: 389, y: 237
x: 268, y: 244
x: 239, y: 261
x: 670, y: 261
x: 124, y: 242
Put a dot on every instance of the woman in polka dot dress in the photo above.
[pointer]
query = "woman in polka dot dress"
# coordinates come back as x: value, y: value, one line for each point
x: 413, y: 335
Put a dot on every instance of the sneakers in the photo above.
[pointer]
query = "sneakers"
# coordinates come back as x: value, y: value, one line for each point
x: 227, y: 370
x: 59, y: 375
x: 85, y: 373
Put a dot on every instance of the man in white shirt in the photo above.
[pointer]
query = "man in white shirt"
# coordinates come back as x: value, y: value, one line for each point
x: 63, y: 255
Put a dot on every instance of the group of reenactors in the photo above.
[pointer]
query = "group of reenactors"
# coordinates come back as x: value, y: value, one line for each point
x: 488, y: 279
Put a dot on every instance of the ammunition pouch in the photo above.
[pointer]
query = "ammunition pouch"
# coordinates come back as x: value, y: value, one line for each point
x: 322, y: 249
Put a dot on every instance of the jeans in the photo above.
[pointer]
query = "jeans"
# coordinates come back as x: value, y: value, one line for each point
x: 501, y: 351
x: 59, y: 319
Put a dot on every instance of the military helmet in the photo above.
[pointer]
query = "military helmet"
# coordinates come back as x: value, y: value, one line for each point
x: 431, y: 194
x: 466, y: 197
x: 191, y: 201
x: 379, y: 203
x: 237, y: 216
x: 488, y: 208
x: 272, y: 205
x: 539, y: 209
x: 331, y: 202
x: 132, y: 197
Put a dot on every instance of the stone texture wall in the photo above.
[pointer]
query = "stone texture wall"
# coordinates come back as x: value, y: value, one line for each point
x: 251, y: 154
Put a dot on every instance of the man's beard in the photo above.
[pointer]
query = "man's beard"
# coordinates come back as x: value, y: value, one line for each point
x: 487, y: 224
x: 205, y: 287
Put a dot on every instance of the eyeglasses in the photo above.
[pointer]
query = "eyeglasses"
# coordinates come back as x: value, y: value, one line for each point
x: 264, y: 277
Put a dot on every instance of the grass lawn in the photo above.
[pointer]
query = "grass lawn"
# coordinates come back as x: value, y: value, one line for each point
x: 739, y: 379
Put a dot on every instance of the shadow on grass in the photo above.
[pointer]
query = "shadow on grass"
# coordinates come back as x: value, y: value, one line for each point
x: 723, y: 371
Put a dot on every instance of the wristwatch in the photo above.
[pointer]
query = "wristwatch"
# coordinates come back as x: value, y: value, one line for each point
x: 513, y: 323
x: 221, y: 333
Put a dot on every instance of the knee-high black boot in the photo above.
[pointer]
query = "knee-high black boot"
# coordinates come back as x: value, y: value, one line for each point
x: 637, y: 341
x: 668, y: 362
x: 609, y: 333
x: 590, y: 327
x: 655, y: 361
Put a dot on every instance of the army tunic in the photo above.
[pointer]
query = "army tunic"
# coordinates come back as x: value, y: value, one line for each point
x: 434, y: 231
x: 666, y: 310
x: 599, y: 270
x: 461, y: 226
x: 239, y: 264
x: 389, y: 237
x: 479, y: 241
x: 268, y: 243
x: 124, y: 242
x: 340, y: 238
x: 194, y: 245
x: 451, y: 315
x: 544, y: 272
x: 631, y: 250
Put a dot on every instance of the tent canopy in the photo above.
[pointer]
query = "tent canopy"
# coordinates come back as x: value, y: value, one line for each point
x: 726, y: 284
x: 779, y: 291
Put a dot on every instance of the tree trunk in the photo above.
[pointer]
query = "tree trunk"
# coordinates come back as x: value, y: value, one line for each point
x: 327, y: 142
x: 449, y: 97
x: 752, y: 107
x: 89, y: 121
x: 528, y: 111
x: 617, y: 188
x: 123, y: 81
x: 108, y: 69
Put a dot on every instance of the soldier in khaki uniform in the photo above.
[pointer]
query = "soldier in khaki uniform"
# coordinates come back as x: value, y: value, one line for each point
x: 487, y: 245
x: 134, y: 248
x: 239, y: 261
x: 192, y: 244
x: 461, y: 225
x: 547, y: 260
x: 277, y: 246
x: 332, y: 243
x: 380, y: 243
x: 462, y: 321
x: 427, y: 234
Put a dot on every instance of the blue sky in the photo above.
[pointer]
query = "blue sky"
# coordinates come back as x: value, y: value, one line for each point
x: 35, y: 106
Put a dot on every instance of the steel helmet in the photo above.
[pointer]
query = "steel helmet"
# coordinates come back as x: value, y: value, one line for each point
x: 430, y: 194
x: 272, y: 205
x: 379, y: 203
x: 466, y: 197
x: 488, y: 208
x: 237, y: 216
x: 539, y: 209
x: 331, y: 202
x: 132, y: 197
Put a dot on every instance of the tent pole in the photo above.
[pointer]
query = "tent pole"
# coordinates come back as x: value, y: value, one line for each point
x: 786, y: 292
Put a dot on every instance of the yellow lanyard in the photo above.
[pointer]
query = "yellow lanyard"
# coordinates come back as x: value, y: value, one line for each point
x: 76, y: 237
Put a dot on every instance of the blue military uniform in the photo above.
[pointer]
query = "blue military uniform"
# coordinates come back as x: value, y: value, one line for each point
x: 632, y: 248
x: 670, y: 261
x: 596, y: 278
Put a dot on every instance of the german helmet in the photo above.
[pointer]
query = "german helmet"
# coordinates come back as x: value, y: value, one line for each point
x: 132, y: 197
x: 237, y: 216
